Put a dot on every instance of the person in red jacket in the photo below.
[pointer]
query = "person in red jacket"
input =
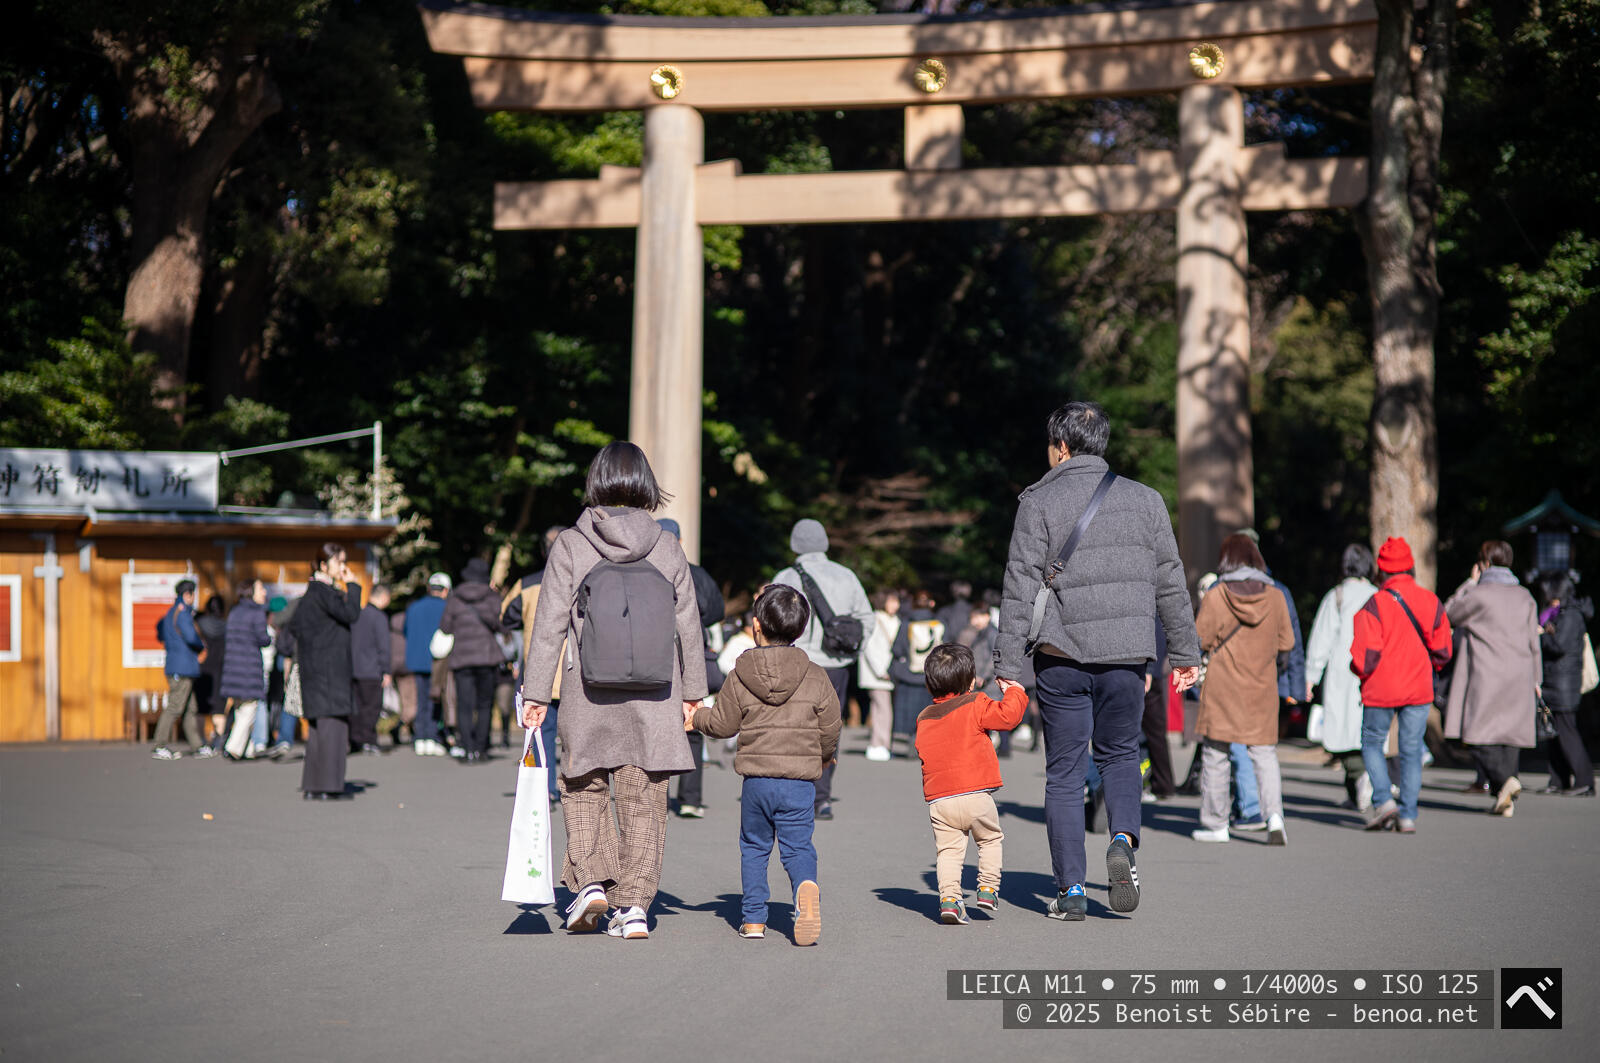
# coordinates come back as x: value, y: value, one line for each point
x: 1402, y: 637
x: 960, y: 772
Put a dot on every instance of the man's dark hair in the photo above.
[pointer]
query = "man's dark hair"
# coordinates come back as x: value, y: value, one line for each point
x: 1495, y: 552
x: 783, y: 614
x: 182, y: 587
x: 1357, y: 562
x: 960, y: 588
x: 1081, y: 427
x: 620, y: 476
x: 1239, y: 552
x: 949, y: 669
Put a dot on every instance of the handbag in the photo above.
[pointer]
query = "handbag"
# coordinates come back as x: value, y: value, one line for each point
x: 1591, y: 674
x: 1544, y: 724
x: 293, y: 700
x: 440, y: 645
x: 529, y: 875
x: 1056, y: 567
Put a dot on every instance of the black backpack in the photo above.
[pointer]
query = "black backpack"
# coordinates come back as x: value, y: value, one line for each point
x: 630, y: 633
x: 841, y: 635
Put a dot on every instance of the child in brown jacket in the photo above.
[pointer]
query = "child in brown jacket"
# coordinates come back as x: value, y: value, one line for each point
x: 786, y: 715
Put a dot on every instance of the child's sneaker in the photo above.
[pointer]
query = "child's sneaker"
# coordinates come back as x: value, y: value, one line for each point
x: 752, y: 930
x: 1071, y: 905
x: 988, y: 899
x: 807, y: 913
x: 163, y: 753
x: 629, y: 924
x: 1122, y: 875
x: 952, y: 911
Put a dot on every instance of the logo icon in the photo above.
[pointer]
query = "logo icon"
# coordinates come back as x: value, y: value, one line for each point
x: 1530, y: 998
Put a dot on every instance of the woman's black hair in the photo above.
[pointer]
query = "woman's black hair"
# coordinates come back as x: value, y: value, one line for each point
x: 1357, y: 562
x: 1556, y: 588
x: 325, y: 553
x: 620, y: 476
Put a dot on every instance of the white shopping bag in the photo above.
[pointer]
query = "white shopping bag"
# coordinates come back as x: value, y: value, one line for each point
x: 530, y: 873
x: 1316, y: 719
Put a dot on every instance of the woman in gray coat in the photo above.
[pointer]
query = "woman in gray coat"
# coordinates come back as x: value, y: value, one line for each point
x: 618, y: 746
x: 1497, y: 670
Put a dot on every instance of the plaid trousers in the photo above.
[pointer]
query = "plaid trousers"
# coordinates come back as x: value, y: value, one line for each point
x: 623, y: 854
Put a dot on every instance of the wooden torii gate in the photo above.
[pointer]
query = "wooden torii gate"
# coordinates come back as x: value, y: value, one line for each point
x: 675, y: 68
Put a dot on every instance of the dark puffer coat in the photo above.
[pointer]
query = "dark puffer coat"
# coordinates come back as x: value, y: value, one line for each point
x: 472, y: 615
x: 321, y: 628
x: 243, y: 675
x: 1561, y: 645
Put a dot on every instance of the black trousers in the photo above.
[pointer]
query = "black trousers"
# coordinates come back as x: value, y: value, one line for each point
x: 1569, y: 761
x: 327, y: 750
x: 840, y: 678
x: 1155, y: 736
x: 474, y: 706
x: 1499, y: 763
x: 689, y: 792
x: 366, y: 699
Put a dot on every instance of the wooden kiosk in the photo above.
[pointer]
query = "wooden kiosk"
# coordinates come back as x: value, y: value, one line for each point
x: 675, y: 68
x: 81, y: 587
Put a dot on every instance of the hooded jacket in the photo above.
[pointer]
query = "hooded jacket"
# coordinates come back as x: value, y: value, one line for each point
x: 472, y: 615
x: 600, y: 728
x: 784, y: 710
x: 845, y: 595
x: 1244, y: 626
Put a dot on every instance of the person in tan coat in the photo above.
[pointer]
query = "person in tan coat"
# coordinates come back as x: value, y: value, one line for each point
x: 1498, y: 670
x: 1244, y: 627
x: 786, y: 714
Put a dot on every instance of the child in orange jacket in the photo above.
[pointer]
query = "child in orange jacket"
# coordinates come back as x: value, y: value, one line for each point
x: 960, y: 773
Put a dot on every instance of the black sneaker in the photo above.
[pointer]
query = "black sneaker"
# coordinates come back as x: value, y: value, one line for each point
x: 824, y: 812
x: 1122, y: 874
x: 1071, y: 906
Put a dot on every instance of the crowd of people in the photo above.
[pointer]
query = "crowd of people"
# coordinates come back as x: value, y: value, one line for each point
x: 1090, y: 637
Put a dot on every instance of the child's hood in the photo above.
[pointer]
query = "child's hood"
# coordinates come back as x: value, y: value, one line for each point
x: 772, y: 673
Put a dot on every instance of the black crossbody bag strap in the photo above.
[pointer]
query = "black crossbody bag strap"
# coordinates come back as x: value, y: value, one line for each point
x: 819, y: 604
x: 1415, y: 624
x: 1056, y: 567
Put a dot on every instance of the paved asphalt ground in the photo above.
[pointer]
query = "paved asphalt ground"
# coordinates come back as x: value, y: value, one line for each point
x: 132, y: 928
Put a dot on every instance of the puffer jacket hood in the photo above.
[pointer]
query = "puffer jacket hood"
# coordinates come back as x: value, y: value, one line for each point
x: 1250, y: 601
x: 772, y: 673
x: 473, y: 593
x: 619, y: 534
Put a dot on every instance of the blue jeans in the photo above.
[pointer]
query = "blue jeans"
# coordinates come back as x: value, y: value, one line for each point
x: 781, y: 810
x: 261, y: 724
x: 424, y: 728
x: 1244, y: 781
x: 1079, y: 703
x: 547, y: 735
x: 1374, y: 733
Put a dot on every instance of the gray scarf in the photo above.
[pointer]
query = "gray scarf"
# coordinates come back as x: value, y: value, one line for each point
x: 1498, y: 574
x: 1246, y: 573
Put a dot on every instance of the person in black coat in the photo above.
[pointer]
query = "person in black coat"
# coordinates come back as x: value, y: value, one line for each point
x: 212, y: 624
x: 920, y: 632
x: 1561, y: 646
x: 321, y: 630
x: 369, y: 665
x: 708, y: 599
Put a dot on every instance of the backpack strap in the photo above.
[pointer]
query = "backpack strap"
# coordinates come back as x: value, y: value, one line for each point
x: 1056, y: 567
x: 819, y: 603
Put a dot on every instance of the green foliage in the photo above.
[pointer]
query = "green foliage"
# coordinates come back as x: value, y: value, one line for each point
x: 90, y: 392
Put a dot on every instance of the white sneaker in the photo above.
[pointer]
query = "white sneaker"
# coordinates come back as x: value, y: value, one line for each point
x: 1275, y: 832
x: 1203, y: 835
x: 204, y: 753
x: 1023, y: 735
x: 878, y: 753
x: 1364, y: 793
x: 458, y: 752
x: 163, y: 753
x: 586, y: 908
x: 420, y: 747
x: 629, y: 924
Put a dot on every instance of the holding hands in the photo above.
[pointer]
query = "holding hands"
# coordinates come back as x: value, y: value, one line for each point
x: 689, y: 708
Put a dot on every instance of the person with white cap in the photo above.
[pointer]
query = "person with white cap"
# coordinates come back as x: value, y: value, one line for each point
x: 422, y: 620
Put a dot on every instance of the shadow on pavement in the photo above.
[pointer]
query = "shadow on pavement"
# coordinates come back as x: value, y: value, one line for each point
x: 727, y: 906
x: 529, y: 921
x: 1031, y: 813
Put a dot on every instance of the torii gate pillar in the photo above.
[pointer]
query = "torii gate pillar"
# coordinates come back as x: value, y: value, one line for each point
x: 1215, y: 467
x: 668, y: 304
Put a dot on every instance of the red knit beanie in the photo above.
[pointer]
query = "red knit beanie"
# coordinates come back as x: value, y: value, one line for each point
x: 1395, y: 556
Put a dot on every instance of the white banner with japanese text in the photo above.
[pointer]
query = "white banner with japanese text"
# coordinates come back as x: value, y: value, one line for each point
x: 158, y: 481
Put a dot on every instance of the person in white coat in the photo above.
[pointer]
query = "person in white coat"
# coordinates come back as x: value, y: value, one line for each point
x: 1328, y: 662
x: 872, y: 671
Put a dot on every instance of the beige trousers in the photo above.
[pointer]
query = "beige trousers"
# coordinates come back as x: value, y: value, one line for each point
x: 880, y: 717
x: 953, y: 819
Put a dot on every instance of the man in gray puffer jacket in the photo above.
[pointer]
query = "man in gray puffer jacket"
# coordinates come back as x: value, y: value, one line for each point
x: 1097, y: 636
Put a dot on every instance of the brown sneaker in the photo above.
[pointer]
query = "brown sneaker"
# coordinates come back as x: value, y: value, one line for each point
x: 807, y: 913
x: 752, y: 930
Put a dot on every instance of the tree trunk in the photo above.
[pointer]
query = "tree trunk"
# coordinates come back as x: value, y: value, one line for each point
x: 182, y: 137
x: 243, y: 300
x: 1397, y: 229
